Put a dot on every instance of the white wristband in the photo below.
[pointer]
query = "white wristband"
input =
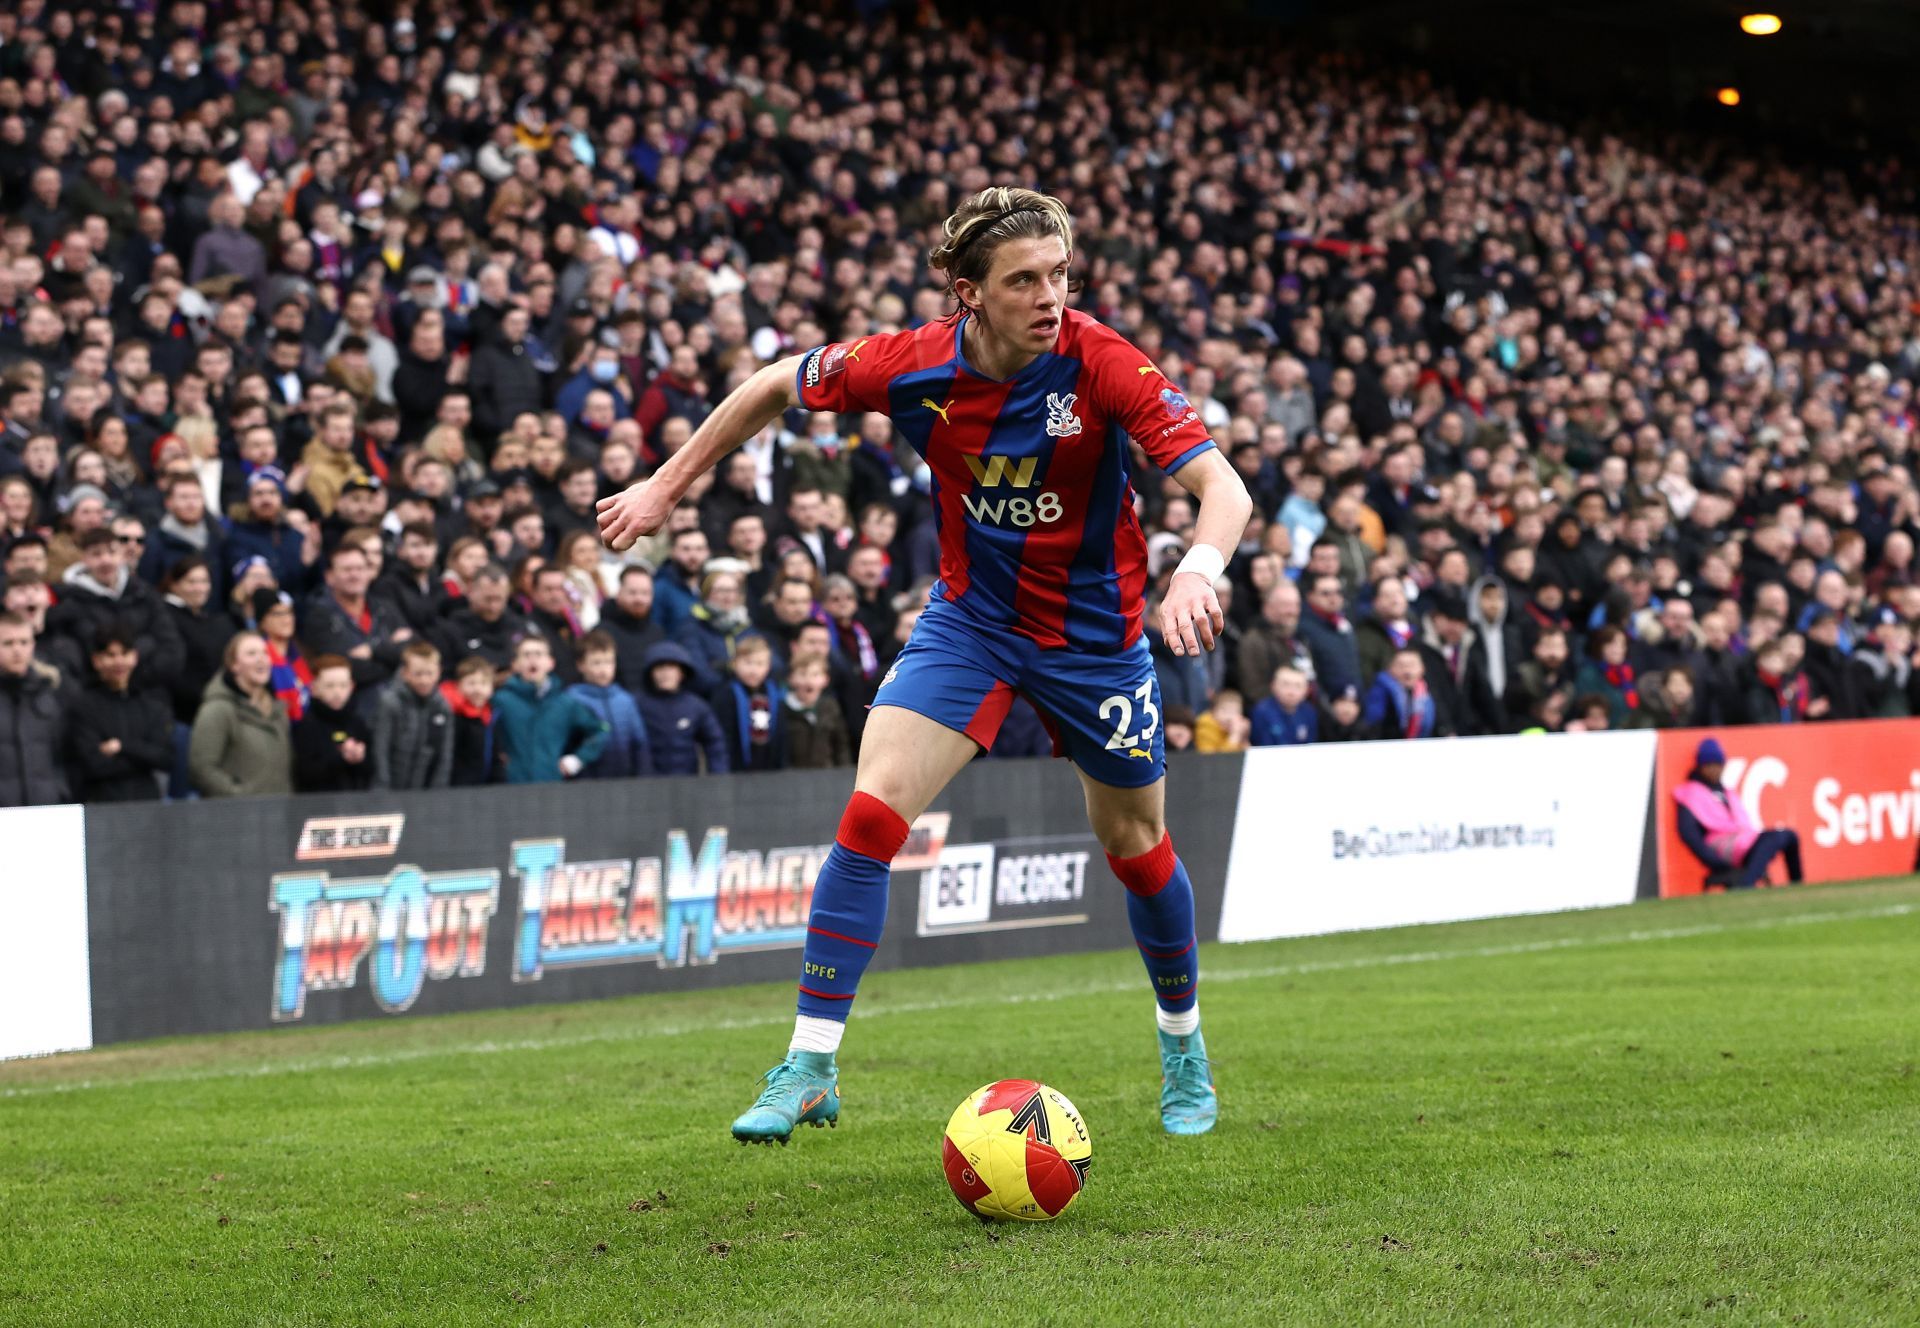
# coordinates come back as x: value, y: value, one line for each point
x: 1203, y: 560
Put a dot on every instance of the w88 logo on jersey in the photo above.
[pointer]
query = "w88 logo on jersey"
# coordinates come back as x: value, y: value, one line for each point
x: 1020, y: 512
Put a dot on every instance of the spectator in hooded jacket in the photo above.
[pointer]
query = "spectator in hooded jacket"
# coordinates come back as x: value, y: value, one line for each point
x: 545, y: 734
x: 413, y: 726
x: 625, y: 753
x: 1717, y: 828
x: 332, y: 743
x: 120, y: 739
x: 100, y: 590
x: 33, y: 721
x: 681, y: 729
x: 242, y: 742
x: 469, y: 694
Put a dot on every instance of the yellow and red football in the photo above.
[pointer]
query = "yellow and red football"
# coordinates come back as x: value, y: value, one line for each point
x: 1016, y: 1150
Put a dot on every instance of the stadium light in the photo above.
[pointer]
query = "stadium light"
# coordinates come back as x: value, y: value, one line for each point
x: 1759, y: 25
x: 1728, y: 96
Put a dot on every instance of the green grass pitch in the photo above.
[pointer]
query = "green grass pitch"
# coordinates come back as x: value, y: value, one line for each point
x: 1703, y: 1109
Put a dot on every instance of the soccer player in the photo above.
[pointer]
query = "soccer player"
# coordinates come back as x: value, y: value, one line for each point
x: 1022, y: 408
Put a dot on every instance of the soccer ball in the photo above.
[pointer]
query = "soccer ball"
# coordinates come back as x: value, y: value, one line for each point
x: 1016, y: 1150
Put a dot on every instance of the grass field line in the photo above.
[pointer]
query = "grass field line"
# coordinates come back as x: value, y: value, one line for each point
x: 1212, y: 974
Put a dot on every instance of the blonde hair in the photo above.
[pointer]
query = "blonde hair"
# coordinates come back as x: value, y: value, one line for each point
x: 199, y: 433
x: 988, y: 220
x: 440, y: 442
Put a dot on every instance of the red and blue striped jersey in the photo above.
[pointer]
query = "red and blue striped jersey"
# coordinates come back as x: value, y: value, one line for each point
x: 1031, y: 490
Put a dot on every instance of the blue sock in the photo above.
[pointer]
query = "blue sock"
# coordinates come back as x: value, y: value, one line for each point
x: 1160, y: 910
x: 849, y: 913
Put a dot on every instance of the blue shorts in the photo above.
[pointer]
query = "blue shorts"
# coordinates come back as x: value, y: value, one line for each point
x: 1103, y: 711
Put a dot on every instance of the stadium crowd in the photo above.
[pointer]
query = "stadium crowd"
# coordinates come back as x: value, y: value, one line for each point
x: 321, y: 334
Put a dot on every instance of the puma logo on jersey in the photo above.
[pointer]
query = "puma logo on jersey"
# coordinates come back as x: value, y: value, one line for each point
x: 990, y: 472
x: 854, y: 352
x: 1061, y: 421
x: 1136, y: 754
x: 1146, y: 369
x: 941, y: 411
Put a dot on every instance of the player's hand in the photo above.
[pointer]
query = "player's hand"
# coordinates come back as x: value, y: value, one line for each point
x: 1190, y: 617
x: 638, y: 510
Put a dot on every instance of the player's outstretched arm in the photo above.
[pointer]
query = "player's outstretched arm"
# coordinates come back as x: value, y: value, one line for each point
x: 1190, y: 616
x: 643, y: 507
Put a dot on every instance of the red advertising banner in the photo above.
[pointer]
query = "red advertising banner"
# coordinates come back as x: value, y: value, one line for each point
x: 1851, y: 790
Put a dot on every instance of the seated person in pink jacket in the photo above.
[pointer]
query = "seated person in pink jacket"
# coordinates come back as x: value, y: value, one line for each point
x: 1717, y: 826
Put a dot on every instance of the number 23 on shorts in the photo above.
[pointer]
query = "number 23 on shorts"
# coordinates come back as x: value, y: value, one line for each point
x: 1118, y: 710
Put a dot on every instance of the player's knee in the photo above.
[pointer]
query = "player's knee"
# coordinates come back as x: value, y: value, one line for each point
x: 1144, y: 871
x: 1130, y: 836
x: 872, y: 828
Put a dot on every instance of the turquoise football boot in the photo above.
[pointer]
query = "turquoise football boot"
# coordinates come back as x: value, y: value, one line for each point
x: 1187, y: 1101
x: 802, y: 1089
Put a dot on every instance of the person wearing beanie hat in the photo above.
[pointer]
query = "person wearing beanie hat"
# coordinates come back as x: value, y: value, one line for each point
x: 1720, y: 831
x: 1342, y: 717
x: 261, y: 531
x: 81, y: 493
x: 271, y: 614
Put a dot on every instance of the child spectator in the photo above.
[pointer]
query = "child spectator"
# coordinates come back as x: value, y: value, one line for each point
x: 1342, y: 720
x: 1223, y: 726
x: 680, y: 727
x: 817, y: 737
x: 1286, y: 718
x: 469, y: 695
x: 413, y: 727
x: 1398, y: 704
x: 120, y: 739
x: 1608, y: 675
x: 330, y: 742
x: 748, y: 706
x: 1589, y: 713
x: 545, y: 734
x: 242, y: 744
x: 625, y: 754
